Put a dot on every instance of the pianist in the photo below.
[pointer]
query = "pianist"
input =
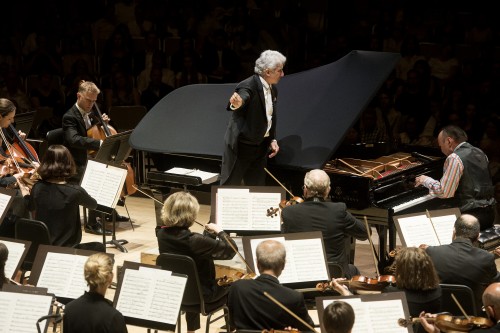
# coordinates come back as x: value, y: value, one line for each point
x: 250, y: 133
x: 466, y: 177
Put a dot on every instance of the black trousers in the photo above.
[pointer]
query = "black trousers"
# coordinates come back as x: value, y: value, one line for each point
x: 485, y: 215
x: 250, y: 164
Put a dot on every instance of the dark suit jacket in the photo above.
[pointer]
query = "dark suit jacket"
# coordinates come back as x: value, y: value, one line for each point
x: 462, y: 263
x: 248, y: 123
x: 250, y: 309
x: 493, y: 329
x: 75, y: 137
x: 333, y: 220
x: 92, y: 313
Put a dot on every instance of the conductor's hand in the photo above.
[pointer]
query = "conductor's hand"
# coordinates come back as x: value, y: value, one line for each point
x: 236, y: 100
x: 420, y: 180
x: 274, y: 148
x: 213, y: 228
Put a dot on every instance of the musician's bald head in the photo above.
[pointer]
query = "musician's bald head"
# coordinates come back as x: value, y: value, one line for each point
x: 271, y: 257
x: 466, y: 226
x: 491, y: 300
x: 316, y: 184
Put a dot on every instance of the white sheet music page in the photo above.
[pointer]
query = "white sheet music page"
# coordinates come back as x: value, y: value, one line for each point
x: 370, y: 319
x: 16, y: 251
x: 444, y: 226
x: 240, y: 209
x: 305, y: 261
x: 417, y: 230
x: 4, y: 202
x: 103, y: 182
x: 20, y: 312
x: 155, y: 297
x: 62, y: 275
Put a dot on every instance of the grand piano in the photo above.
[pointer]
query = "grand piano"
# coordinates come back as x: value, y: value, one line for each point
x: 316, y: 108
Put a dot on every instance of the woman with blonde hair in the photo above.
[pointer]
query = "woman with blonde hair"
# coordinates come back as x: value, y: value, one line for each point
x: 179, y: 213
x: 91, y: 312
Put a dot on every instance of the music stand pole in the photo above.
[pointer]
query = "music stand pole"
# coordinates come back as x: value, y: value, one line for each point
x: 118, y: 243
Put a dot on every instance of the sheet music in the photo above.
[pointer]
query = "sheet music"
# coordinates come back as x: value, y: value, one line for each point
x: 103, y: 182
x: 4, y: 202
x: 20, y: 312
x: 444, y: 226
x: 206, y: 177
x: 305, y: 259
x: 16, y: 251
x: 417, y: 230
x: 369, y: 318
x: 155, y: 297
x: 62, y: 275
x: 240, y: 209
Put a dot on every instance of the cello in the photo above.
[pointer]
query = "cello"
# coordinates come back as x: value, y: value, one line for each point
x: 100, y: 131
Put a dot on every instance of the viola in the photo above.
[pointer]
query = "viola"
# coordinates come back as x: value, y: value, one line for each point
x: 360, y: 282
x: 449, y: 323
x: 227, y: 280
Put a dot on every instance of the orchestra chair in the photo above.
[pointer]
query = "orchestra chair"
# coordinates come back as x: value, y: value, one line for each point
x: 193, y: 300
x: 463, y: 294
x: 336, y: 270
x: 36, y: 232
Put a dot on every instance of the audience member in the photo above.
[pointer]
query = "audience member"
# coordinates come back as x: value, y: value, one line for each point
x: 220, y: 63
x: 250, y: 309
x: 476, y: 266
x: 121, y: 91
x: 92, y: 312
x: 189, y: 73
x: 179, y: 213
x: 14, y: 92
x: 156, y: 89
x: 157, y: 61
x: 117, y: 52
x: 317, y: 213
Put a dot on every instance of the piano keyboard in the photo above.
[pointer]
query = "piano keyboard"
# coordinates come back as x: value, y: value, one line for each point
x: 412, y: 203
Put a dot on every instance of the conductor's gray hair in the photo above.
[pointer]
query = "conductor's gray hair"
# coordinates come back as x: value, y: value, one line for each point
x: 269, y: 59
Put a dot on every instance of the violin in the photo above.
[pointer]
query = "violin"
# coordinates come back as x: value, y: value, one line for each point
x: 227, y: 280
x: 292, y: 201
x: 449, y: 323
x: 360, y: 282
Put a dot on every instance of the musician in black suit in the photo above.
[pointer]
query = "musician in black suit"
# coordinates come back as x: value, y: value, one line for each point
x: 491, y: 305
x: 75, y: 123
x: 250, y: 309
x: 460, y: 262
x: 251, y: 131
x: 317, y: 213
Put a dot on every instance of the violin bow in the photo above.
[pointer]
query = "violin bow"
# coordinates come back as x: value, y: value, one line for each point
x: 289, y: 311
x: 9, y: 148
x: 277, y: 181
x: 238, y: 253
x: 158, y: 201
x: 430, y: 220
x: 375, y: 260
x: 460, y: 306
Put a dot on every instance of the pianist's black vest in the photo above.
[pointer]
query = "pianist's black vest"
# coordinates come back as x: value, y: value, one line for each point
x: 475, y: 188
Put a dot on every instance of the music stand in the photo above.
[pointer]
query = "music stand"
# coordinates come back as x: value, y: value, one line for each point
x: 113, y: 151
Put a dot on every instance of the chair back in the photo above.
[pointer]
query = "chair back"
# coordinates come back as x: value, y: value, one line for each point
x: 55, y: 137
x: 182, y: 264
x: 336, y: 270
x: 463, y: 294
x: 125, y: 118
x: 34, y: 231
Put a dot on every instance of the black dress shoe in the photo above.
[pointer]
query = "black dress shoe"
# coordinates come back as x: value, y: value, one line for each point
x: 118, y: 218
x: 96, y: 229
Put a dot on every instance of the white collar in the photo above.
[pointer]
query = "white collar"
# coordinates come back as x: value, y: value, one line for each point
x: 264, y: 83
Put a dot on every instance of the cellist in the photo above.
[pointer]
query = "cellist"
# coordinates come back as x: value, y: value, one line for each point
x: 75, y: 123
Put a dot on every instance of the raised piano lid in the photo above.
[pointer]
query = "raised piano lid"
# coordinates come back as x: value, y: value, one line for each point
x: 315, y: 109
